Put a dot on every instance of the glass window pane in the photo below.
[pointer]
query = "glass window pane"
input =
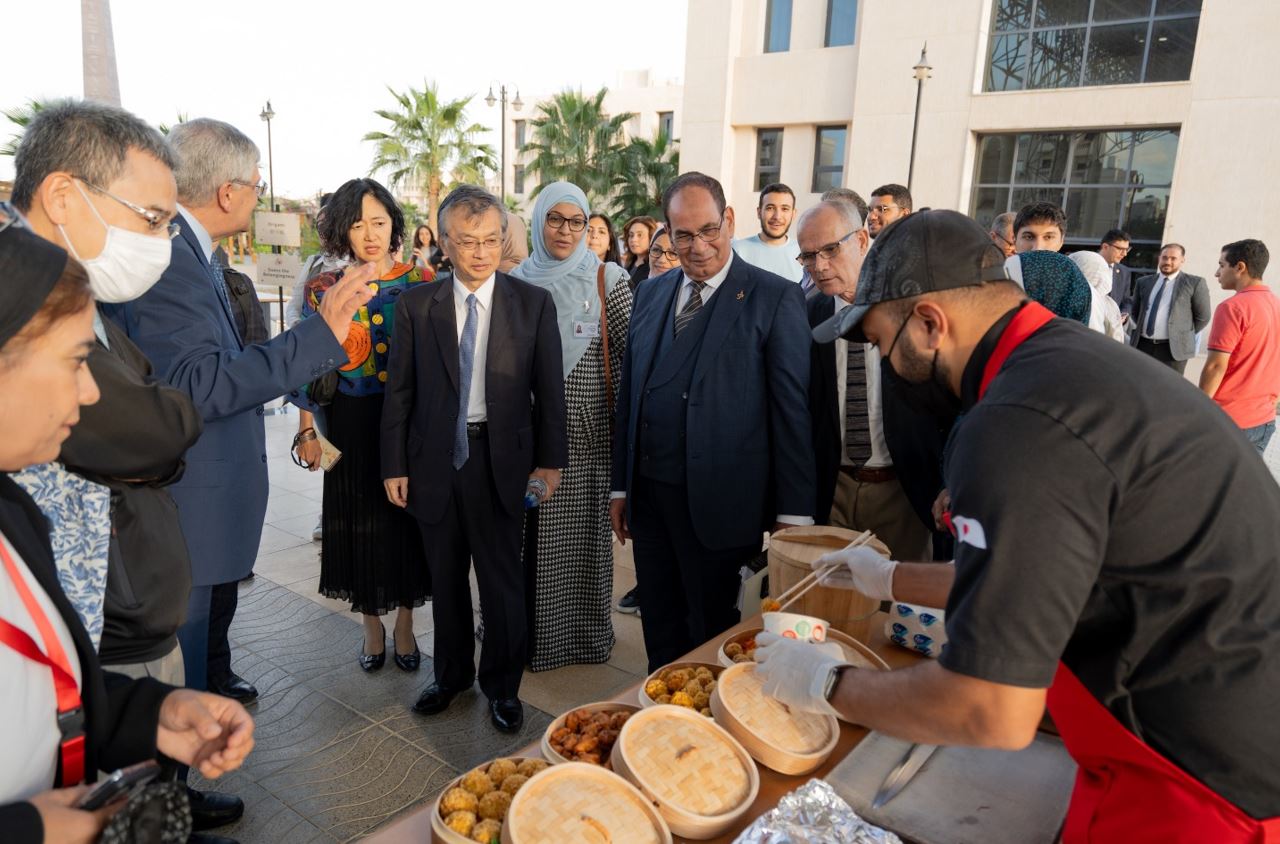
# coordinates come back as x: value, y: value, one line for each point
x: 987, y: 203
x: 768, y: 156
x: 1007, y: 70
x: 831, y: 146
x: 1115, y: 54
x: 777, y: 26
x: 995, y: 159
x: 1118, y: 10
x: 1012, y: 14
x: 1025, y: 196
x: 842, y: 18
x: 1101, y: 158
x: 1059, y: 12
x: 1173, y: 43
x: 1091, y: 212
x: 1177, y: 7
x: 825, y: 180
x: 1056, y: 56
x: 1153, y: 156
x: 1042, y: 159
x: 1147, y: 209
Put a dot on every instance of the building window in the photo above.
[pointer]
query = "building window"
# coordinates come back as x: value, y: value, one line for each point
x: 666, y: 124
x: 1071, y: 43
x: 777, y: 26
x: 519, y: 126
x: 517, y: 179
x: 828, y: 158
x: 1118, y: 178
x: 842, y: 16
x: 768, y: 157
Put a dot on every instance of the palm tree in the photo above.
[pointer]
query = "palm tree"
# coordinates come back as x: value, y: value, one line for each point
x: 22, y: 117
x: 574, y: 140
x: 647, y: 168
x: 429, y: 140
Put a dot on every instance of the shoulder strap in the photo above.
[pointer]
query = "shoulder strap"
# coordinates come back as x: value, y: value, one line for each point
x: 604, y: 342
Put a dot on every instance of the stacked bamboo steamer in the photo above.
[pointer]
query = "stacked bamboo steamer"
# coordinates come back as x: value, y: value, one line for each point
x: 855, y: 653
x: 578, y: 803
x: 791, y: 560
x: 787, y: 741
x: 700, y: 778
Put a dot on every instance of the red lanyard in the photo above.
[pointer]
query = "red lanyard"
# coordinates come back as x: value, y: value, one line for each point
x: 70, y: 710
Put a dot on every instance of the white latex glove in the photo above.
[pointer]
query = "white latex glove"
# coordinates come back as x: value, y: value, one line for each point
x: 795, y: 672
x: 859, y: 568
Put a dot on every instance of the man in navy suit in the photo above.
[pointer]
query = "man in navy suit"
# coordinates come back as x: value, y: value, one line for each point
x: 185, y: 326
x: 713, y: 443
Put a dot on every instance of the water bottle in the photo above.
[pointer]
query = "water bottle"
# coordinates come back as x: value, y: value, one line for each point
x: 534, y: 493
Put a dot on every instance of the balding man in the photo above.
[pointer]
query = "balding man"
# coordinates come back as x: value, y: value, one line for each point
x: 857, y: 428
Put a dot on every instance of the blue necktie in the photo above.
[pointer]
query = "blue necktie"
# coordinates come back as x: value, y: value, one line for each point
x: 220, y: 284
x: 1155, y: 306
x: 466, y: 362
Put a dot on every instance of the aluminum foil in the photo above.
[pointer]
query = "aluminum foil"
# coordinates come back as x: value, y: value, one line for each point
x: 814, y: 814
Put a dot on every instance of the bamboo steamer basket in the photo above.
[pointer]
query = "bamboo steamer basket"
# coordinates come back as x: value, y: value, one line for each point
x: 579, y: 803
x: 697, y: 774
x: 789, y: 742
x: 646, y: 701
x: 855, y: 653
x: 607, y: 706
x: 444, y: 833
x: 791, y: 561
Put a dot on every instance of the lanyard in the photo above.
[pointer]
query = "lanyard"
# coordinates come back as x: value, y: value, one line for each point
x: 70, y: 711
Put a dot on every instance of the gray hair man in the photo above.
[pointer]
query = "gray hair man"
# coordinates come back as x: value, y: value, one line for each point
x: 1001, y: 232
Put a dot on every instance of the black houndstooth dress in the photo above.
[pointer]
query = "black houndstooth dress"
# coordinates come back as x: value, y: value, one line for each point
x: 569, y: 546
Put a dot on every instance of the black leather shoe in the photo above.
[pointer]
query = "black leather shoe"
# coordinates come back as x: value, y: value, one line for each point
x: 235, y: 687
x: 409, y: 662
x: 210, y: 810
x: 507, y: 715
x: 372, y: 662
x: 206, y: 838
x: 434, y: 700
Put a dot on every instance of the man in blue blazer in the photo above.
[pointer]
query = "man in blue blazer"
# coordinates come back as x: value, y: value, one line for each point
x: 184, y: 324
x: 713, y: 444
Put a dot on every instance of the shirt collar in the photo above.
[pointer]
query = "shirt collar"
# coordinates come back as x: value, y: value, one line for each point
x: 717, y: 279
x: 202, y: 235
x: 484, y: 293
x: 971, y: 380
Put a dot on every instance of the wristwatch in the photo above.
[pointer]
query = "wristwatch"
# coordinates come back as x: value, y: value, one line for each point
x: 833, y: 677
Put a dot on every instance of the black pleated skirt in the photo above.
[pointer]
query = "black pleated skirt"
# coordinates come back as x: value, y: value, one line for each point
x: 371, y: 554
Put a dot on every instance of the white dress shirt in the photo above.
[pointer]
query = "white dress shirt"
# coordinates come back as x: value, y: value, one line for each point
x: 201, y: 233
x: 477, y: 409
x: 1160, y: 331
x: 713, y: 284
x: 875, y: 399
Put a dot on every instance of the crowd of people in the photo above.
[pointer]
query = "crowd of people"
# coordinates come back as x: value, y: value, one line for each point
x: 1012, y: 422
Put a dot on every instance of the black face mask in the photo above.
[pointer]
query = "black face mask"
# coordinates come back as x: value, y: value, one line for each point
x: 931, y: 397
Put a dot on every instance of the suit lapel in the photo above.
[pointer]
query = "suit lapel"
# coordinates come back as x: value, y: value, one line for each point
x: 500, y: 326
x: 646, y: 330
x: 224, y: 303
x: 445, y: 325
x: 726, y: 307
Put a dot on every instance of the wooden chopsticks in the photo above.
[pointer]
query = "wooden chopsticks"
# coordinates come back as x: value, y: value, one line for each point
x: 796, y: 592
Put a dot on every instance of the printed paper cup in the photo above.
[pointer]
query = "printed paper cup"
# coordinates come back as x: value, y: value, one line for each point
x: 791, y: 625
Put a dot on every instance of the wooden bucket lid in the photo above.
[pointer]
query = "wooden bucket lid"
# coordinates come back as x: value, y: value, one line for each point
x: 687, y: 761
x: 801, y: 545
x: 577, y: 803
x: 741, y: 689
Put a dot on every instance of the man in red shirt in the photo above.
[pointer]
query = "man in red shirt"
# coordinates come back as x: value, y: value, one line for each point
x: 1243, y: 371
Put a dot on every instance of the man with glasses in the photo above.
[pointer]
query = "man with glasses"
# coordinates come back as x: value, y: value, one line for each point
x: 1114, y: 249
x: 773, y: 249
x: 1001, y: 233
x: 889, y: 203
x: 712, y: 444
x: 859, y: 431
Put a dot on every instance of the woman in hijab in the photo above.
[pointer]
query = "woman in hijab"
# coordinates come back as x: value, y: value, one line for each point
x: 1104, y: 315
x: 568, y: 539
x: 1052, y: 280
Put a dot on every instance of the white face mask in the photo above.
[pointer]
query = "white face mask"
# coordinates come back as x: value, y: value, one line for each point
x: 130, y: 262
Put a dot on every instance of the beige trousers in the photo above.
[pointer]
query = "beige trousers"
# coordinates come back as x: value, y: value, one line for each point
x: 882, y: 508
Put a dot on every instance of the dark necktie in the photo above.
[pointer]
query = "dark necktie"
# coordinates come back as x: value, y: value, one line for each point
x: 691, y: 307
x: 1155, y: 306
x: 857, y: 419
x: 220, y: 285
x: 466, y: 362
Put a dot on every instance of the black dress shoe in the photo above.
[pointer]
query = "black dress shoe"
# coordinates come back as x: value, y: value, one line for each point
x: 210, y: 810
x: 409, y: 662
x: 435, y: 699
x: 235, y: 687
x: 372, y: 662
x: 507, y: 715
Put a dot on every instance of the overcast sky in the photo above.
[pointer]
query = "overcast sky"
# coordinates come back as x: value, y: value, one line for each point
x: 325, y: 65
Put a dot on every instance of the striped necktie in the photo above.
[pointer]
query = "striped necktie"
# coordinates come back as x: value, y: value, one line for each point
x: 857, y: 420
x: 220, y: 285
x: 691, y: 307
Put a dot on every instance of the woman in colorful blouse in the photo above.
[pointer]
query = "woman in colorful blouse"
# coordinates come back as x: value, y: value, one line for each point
x: 371, y: 553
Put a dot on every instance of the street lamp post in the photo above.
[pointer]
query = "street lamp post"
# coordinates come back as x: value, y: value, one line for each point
x: 502, y: 158
x: 921, y: 69
x: 266, y: 115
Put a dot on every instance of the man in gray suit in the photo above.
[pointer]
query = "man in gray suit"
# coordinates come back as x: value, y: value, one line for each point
x: 1171, y: 307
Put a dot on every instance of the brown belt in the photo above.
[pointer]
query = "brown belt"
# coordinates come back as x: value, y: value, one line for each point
x: 866, y: 475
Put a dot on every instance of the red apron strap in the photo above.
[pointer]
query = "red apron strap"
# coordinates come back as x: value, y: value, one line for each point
x: 1029, y: 319
x: 70, y: 710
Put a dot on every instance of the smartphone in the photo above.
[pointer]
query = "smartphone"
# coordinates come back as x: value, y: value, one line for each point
x: 118, y: 785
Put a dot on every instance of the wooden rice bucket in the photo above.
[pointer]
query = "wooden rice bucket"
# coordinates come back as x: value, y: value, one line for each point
x: 579, y: 803
x: 788, y: 741
x: 791, y: 560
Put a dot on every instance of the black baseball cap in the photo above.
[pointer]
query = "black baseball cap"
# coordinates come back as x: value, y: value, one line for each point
x: 924, y: 252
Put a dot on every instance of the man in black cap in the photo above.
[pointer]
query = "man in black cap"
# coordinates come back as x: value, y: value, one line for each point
x: 1126, y: 575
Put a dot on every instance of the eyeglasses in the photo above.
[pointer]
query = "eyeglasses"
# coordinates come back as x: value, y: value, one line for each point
x: 155, y: 221
x: 1005, y: 240
x: 882, y: 209
x: 828, y: 252
x: 260, y: 187
x: 557, y: 221
x: 707, y: 234
x: 470, y: 244
x: 658, y: 252
x: 1123, y: 250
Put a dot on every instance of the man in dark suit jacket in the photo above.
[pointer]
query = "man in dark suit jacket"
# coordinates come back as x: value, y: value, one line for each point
x: 1113, y: 249
x: 1171, y: 308
x: 712, y: 444
x: 877, y: 460
x: 474, y: 411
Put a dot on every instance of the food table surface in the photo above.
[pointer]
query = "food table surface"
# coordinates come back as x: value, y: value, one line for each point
x: 415, y: 827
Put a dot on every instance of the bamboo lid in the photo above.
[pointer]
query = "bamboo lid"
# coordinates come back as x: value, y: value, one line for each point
x: 741, y: 689
x: 578, y: 803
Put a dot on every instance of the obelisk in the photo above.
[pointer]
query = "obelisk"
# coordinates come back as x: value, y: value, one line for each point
x: 100, y: 80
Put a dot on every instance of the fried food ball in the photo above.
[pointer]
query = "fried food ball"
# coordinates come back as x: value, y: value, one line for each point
x: 618, y: 719
x: 743, y: 658
x: 701, y: 700
x: 457, y: 800
x: 487, y: 831
x: 676, y: 679
x: 693, y: 687
x: 461, y: 822
x: 477, y: 782
x: 494, y: 805
x: 732, y: 649
x: 709, y: 686
x: 512, y: 783
x: 682, y: 699
x: 770, y: 605
x: 500, y: 770
x: 706, y: 710
x: 529, y: 767
x: 656, y: 689
x: 704, y: 674
x: 662, y: 699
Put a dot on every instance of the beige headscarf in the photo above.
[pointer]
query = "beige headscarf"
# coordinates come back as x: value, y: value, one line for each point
x: 515, y: 244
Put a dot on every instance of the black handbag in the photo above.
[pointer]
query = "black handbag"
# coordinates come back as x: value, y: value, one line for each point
x: 157, y: 813
x: 323, y: 389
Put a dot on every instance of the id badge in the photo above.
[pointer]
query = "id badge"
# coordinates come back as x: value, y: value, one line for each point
x: 586, y: 329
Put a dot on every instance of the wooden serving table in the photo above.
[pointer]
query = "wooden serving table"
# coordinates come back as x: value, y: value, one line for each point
x: 415, y: 827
